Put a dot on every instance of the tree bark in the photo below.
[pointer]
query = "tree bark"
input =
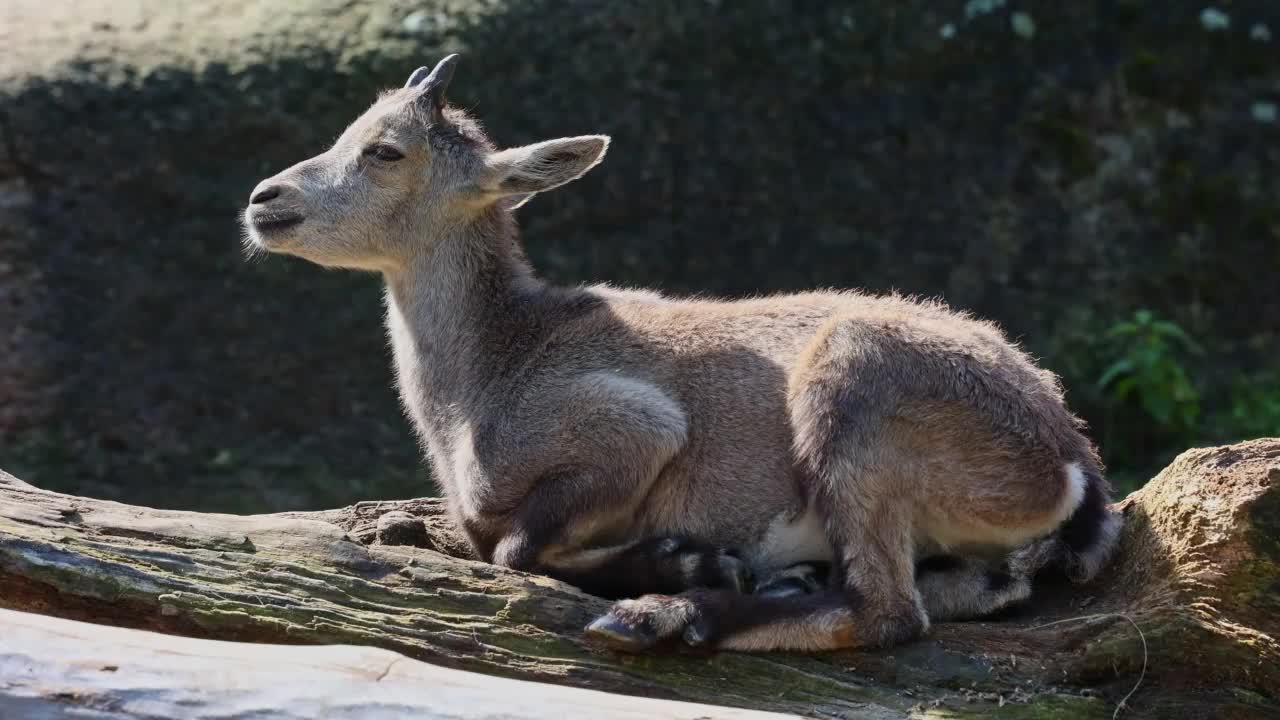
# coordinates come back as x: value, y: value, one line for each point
x: 51, y: 664
x: 1193, y: 597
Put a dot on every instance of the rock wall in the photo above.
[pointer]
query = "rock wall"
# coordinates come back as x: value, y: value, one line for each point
x: 1051, y: 165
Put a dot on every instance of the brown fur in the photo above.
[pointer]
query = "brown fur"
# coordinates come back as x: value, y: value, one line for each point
x: 569, y: 426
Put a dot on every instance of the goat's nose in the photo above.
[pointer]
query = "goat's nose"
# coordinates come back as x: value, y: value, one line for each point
x: 263, y: 194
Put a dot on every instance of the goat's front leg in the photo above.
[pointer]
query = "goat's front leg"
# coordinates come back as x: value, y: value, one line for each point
x: 584, y: 473
x: 540, y: 539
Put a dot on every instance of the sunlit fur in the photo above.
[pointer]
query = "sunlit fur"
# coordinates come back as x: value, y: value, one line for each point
x: 570, y: 427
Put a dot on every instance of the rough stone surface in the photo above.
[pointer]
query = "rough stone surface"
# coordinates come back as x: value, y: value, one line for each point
x: 400, y: 528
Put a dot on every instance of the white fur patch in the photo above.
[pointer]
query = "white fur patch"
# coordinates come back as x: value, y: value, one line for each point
x: 624, y: 391
x: 1076, y: 482
x: 791, y: 540
x: 464, y: 466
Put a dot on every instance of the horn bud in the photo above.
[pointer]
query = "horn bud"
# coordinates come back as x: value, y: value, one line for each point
x: 433, y: 84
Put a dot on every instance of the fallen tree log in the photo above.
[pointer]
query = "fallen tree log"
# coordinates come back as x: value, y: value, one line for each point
x: 1191, y: 607
x: 50, y: 665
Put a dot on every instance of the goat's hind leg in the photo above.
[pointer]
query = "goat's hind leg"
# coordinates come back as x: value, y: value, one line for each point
x: 869, y: 601
x: 963, y: 588
x: 655, y: 565
x: 951, y: 587
x: 725, y: 620
x: 628, y: 632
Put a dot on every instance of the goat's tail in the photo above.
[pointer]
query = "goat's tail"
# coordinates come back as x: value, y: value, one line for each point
x: 1082, y: 545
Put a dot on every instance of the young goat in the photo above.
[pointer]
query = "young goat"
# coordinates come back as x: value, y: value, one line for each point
x: 619, y: 439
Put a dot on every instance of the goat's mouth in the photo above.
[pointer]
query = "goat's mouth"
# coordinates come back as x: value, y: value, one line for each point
x: 267, y: 223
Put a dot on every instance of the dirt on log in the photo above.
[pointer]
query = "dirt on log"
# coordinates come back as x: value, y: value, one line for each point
x: 1191, y: 606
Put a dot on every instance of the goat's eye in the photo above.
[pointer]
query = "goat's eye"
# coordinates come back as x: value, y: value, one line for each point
x: 383, y: 152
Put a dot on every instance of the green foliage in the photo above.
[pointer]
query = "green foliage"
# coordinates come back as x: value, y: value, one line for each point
x: 1149, y: 370
x: 242, y: 479
x: 1151, y: 391
x: 1253, y: 408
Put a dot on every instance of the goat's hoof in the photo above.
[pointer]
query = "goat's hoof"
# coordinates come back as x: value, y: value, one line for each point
x: 612, y: 632
x: 699, y: 634
x: 655, y: 622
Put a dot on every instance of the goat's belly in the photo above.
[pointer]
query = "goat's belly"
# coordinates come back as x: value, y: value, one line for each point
x: 790, y: 538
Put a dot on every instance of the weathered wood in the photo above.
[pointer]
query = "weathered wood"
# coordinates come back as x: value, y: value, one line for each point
x: 1198, y: 573
x: 54, y: 668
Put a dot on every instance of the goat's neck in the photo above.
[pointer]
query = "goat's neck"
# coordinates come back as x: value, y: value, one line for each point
x: 457, y: 315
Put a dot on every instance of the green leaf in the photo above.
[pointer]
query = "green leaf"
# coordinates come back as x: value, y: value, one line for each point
x: 1124, y: 387
x: 1190, y: 412
x: 1164, y: 327
x: 1159, y: 406
x: 1119, y: 367
x: 1173, y: 330
x: 222, y: 459
x: 1122, y: 329
x: 1147, y: 357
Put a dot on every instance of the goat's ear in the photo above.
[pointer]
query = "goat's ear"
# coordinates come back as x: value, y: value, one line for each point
x: 518, y: 173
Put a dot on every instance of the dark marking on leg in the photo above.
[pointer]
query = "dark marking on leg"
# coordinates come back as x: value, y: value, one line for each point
x: 1084, y: 528
x: 665, y: 565
x: 998, y: 580
x: 938, y: 563
x: 1086, y: 540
